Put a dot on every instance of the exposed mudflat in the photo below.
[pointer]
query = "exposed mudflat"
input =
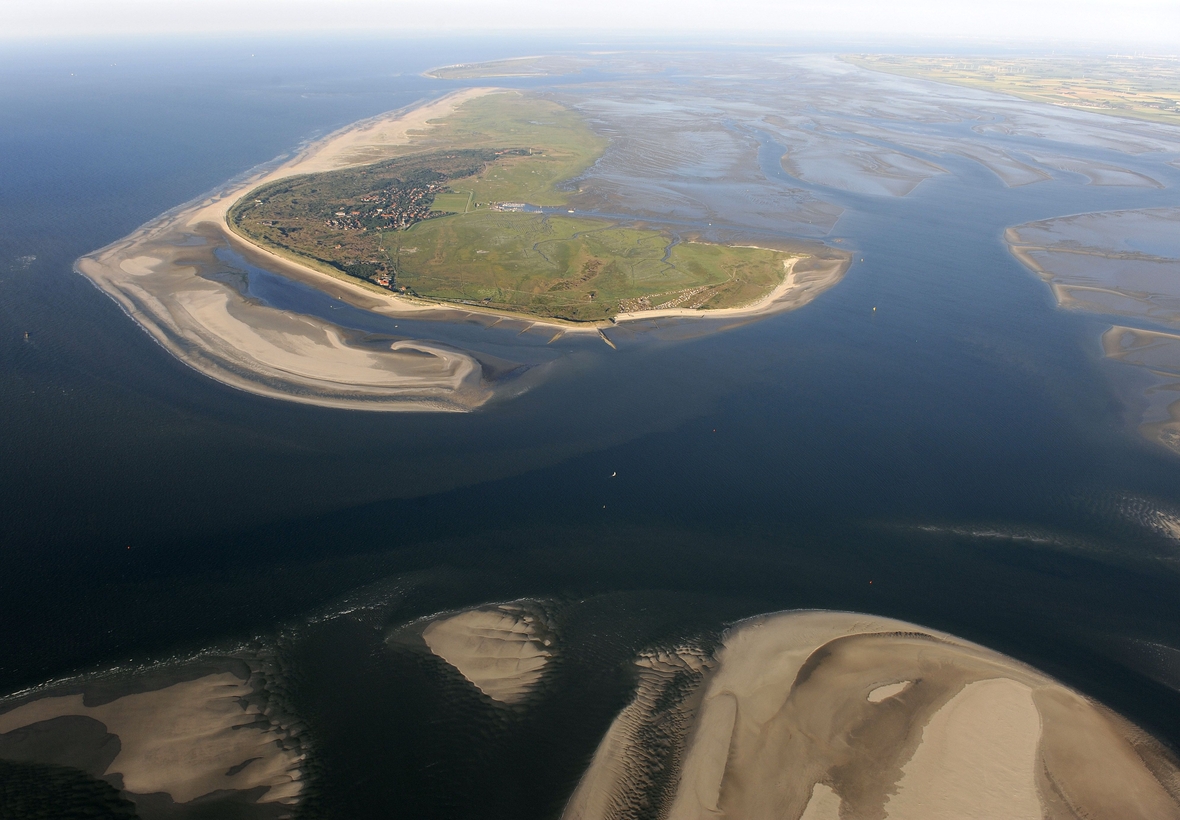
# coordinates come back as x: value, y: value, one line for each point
x: 1123, y: 264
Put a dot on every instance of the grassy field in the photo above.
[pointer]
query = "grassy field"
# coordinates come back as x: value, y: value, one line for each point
x: 562, y: 144
x: 452, y: 203
x: 1139, y: 88
x: 571, y: 268
x: 433, y: 223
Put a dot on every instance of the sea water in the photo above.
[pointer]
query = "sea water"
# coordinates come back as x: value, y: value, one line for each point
x: 932, y: 439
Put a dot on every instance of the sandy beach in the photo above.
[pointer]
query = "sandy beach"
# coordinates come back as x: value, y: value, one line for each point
x: 154, y: 276
x: 361, y: 143
x: 821, y: 715
x: 804, y: 278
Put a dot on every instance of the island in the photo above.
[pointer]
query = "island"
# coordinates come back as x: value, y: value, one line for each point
x: 477, y: 215
x: 465, y: 209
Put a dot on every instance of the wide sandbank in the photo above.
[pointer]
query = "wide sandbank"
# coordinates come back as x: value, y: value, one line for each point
x: 202, y: 737
x: 822, y: 715
x: 501, y: 649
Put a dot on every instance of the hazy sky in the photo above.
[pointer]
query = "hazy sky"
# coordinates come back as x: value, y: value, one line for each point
x: 1128, y: 21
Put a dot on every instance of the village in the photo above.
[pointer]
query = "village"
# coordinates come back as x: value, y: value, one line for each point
x: 339, y: 219
x: 394, y: 208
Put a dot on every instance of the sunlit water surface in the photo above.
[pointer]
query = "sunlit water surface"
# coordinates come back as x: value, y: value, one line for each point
x: 930, y: 440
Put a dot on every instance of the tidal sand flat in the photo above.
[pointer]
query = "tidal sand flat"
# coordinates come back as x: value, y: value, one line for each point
x: 596, y: 201
x: 171, y: 742
x: 502, y: 650
x: 1125, y: 264
x: 583, y: 206
x: 823, y: 715
x: 848, y: 164
x: 630, y: 770
x: 154, y: 274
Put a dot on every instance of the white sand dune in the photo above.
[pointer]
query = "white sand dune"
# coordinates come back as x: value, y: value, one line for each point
x: 822, y: 715
x: 887, y: 691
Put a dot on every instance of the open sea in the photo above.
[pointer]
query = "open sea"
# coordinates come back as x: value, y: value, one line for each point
x: 959, y: 457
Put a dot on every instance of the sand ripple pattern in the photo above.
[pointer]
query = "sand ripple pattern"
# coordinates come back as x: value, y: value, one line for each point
x: 502, y: 650
x: 215, y: 739
x: 822, y: 715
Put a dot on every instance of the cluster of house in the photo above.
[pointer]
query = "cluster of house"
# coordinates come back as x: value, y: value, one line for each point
x: 681, y: 298
x: 396, y: 207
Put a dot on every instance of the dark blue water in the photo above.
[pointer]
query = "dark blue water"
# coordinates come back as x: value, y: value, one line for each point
x: 961, y: 446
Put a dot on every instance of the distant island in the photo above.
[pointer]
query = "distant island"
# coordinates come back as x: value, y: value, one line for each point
x: 477, y: 215
x: 534, y: 66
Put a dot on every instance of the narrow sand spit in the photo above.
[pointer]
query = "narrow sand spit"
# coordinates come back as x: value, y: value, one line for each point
x: 502, y: 650
x: 608, y: 788
x: 819, y: 715
x: 187, y: 740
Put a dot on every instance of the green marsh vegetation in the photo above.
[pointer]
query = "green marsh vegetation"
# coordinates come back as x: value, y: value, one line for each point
x: 578, y: 269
